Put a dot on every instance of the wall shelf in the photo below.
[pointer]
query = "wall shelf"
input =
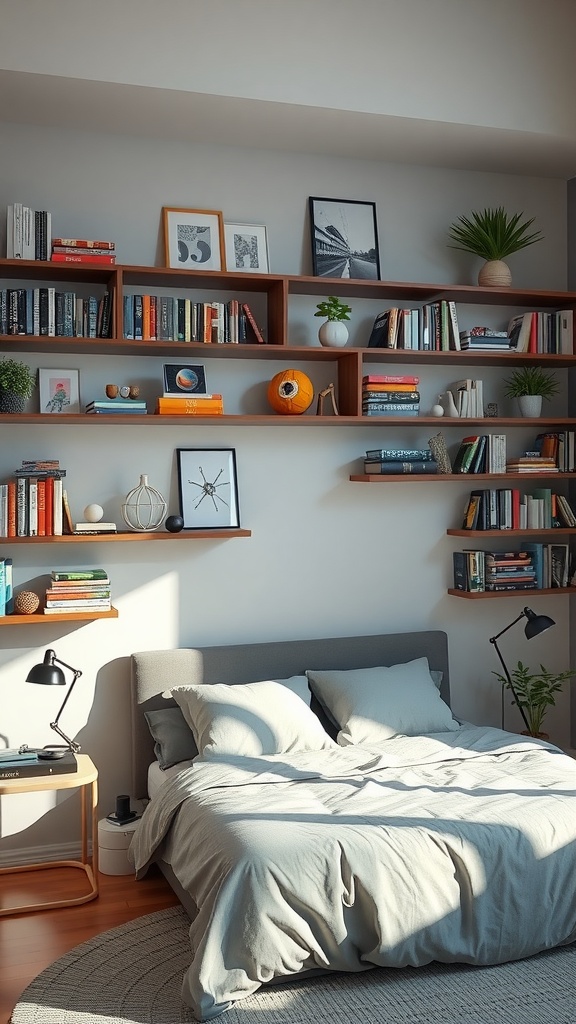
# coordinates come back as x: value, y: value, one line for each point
x: 383, y: 478
x: 121, y: 538
x: 488, y: 595
x: 28, y: 620
x: 556, y: 531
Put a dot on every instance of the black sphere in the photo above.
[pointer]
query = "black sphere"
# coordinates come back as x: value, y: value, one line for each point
x: 174, y: 524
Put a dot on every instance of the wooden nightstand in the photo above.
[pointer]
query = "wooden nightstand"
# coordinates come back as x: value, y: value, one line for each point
x: 86, y: 780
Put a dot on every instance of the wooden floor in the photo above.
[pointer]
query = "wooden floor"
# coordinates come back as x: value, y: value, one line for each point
x: 30, y: 942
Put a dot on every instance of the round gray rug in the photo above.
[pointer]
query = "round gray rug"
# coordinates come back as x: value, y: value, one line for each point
x: 132, y: 975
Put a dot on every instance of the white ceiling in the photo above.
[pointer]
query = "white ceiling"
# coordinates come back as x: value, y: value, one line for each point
x: 171, y: 114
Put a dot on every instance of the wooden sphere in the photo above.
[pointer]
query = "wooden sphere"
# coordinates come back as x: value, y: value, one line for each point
x: 26, y: 602
x: 290, y: 392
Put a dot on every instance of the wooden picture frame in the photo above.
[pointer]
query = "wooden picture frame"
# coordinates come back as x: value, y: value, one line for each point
x: 193, y: 239
x: 344, y: 238
x: 246, y: 248
x: 59, y: 391
x: 208, y: 488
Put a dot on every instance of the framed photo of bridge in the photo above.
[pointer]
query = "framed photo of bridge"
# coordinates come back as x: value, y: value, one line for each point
x: 344, y: 238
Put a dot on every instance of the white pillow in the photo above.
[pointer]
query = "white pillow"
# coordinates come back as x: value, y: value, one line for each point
x: 374, y: 704
x: 249, y: 719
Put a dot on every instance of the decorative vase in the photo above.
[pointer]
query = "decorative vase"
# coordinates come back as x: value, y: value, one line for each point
x: 449, y: 405
x: 495, y: 274
x: 333, y: 334
x: 530, y: 406
x: 144, y: 507
x: 11, y: 403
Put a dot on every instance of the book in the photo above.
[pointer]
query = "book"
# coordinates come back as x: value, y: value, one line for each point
x: 379, y: 333
x: 114, y: 403
x: 83, y: 243
x: 80, y: 250
x: 62, y: 257
x: 17, y: 754
x: 2, y: 587
x: 79, y: 574
x: 67, y: 526
x: 399, y: 466
x: 390, y: 378
x: 57, y: 766
x: 465, y: 453
x: 252, y: 322
x: 189, y: 406
x: 404, y: 454
x: 78, y: 604
x: 94, y: 528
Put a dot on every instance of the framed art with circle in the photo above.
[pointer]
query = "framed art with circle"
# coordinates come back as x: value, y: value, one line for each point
x: 208, y: 488
x: 59, y: 390
x: 193, y: 239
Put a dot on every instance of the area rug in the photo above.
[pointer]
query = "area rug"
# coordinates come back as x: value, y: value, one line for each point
x: 132, y: 975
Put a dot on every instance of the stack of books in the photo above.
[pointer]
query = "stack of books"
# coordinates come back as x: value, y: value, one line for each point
x: 532, y: 464
x: 479, y: 339
x: 73, y: 590
x: 400, y: 460
x: 24, y: 763
x: 27, y: 233
x: 83, y: 250
x: 116, y: 407
x: 184, y: 405
x: 509, y: 570
x: 390, y: 395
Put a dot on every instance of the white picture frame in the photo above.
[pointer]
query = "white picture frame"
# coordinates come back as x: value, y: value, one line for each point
x: 208, y: 488
x: 59, y: 391
x: 246, y: 248
x: 193, y: 239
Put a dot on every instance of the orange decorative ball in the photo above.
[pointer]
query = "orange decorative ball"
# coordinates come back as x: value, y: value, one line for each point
x: 290, y: 392
x: 26, y: 603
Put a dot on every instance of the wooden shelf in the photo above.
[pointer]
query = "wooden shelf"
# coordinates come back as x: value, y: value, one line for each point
x: 487, y: 595
x: 115, y: 538
x: 28, y: 620
x: 383, y: 478
x: 557, y: 531
x: 277, y: 420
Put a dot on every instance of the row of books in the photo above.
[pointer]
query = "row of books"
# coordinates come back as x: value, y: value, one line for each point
x: 481, y: 453
x: 481, y: 339
x: 46, y: 311
x: 559, y: 445
x: 534, y: 566
x: 433, y: 327
x: 34, y: 503
x: 506, y: 508
x: 399, y: 460
x: 166, y: 318
x: 28, y: 233
x: 6, y: 587
x: 546, y: 333
x: 83, y: 250
x: 468, y: 397
x: 78, y: 590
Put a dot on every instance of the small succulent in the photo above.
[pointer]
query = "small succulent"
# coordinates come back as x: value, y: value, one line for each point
x: 531, y: 380
x: 333, y: 309
x: 16, y: 377
x: 493, y: 234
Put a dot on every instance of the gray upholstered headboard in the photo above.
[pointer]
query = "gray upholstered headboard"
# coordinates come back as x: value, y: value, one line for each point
x: 155, y: 671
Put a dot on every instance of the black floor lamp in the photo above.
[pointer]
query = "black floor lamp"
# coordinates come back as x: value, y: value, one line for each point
x: 535, y: 625
x: 50, y: 674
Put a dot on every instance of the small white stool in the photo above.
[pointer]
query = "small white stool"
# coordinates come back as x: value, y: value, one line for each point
x: 113, y: 843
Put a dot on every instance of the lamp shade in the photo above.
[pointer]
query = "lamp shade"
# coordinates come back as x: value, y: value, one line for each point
x: 536, y: 623
x: 48, y: 674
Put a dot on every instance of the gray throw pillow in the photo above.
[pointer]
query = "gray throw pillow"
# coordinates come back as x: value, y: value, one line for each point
x: 173, y: 738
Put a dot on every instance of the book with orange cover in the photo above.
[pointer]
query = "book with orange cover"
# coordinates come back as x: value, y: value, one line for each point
x: 386, y: 388
x: 11, y: 508
x: 41, y: 506
x: 49, y: 506
x: 183, y: 406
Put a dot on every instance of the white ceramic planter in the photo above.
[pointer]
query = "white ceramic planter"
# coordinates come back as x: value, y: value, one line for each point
x: 333, y: 334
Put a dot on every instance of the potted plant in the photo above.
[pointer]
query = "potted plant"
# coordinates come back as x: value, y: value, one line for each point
x: 17, y: 382
x: 535, y: 693
x: 493, y: 235
x: 334, y: 332
x: 529, y: 385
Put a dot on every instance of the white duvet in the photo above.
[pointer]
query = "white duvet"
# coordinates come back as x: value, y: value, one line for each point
x: 459, y: 847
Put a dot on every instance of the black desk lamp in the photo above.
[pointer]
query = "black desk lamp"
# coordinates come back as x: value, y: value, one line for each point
x: 49, y: 674
x: 535, y: 625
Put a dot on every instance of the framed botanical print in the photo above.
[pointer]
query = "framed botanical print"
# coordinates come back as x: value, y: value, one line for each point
x: 246, y: 248
x: 344, y: 239
x: 208, y: 488
x: 193, y: 239
x: 59, y: 390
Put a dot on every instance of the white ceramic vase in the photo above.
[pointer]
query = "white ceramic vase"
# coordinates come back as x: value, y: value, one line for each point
x: 495, y: 274
x: 333, y: 334
x: 530, y: 406
x: 144, y: 508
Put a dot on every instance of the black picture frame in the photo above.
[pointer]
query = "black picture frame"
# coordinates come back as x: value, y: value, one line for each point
x: 344, y: 236
x: 208, y: 488
x: 184, y: 379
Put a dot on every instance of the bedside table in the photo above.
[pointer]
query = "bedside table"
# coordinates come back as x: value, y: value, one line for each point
x: 86, y: 780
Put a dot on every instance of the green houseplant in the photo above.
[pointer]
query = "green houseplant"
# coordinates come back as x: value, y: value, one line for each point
x: 17, y: 382
x: 493, y: 235
x: 334, y: 332
x: 535, y: 692
x: 529, y: 383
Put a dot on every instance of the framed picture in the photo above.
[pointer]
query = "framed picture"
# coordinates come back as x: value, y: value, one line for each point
x: 246, y: 248
x: 208, y: 488
x: 59, y: 390
x: 344, y: 239
x: 184, y: 379
x: 193, y: 239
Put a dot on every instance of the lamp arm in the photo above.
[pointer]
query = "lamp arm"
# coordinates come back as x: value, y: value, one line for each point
x: 493, y: 640
x: 54, y: 725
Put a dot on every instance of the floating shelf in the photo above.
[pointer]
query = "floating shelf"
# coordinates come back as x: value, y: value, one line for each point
x: 28, y: 620
x: 120, y: 538
x: 487, y: 595
x: 486, y: 534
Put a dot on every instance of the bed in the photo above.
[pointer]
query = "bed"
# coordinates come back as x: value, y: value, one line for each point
x: 339, y: 818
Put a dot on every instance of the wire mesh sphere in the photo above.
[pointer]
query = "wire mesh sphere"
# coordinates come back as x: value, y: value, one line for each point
x: 144, y: 507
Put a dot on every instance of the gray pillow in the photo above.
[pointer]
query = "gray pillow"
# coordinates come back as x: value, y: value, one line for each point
x: 173, y: 738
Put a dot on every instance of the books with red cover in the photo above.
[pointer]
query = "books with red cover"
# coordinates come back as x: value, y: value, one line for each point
x: 83, y: 243
x: 63, y: 257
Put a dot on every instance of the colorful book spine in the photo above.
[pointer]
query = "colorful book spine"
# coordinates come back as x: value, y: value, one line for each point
x: 62, y: 257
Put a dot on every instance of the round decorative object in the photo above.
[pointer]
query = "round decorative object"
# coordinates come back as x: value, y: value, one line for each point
x: 10, y: 402
x: 134, y: 391
x: 144, y: 507
x: 111, y: 390
x: 495, y: 274
x: 187, y: 379
x: 26, y: 603
x: 290, y: 392
x: 93, y: 513
x: 437, y: 410
x: 125, y: 391
x: 333, y: 334
x: 174, y: 524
